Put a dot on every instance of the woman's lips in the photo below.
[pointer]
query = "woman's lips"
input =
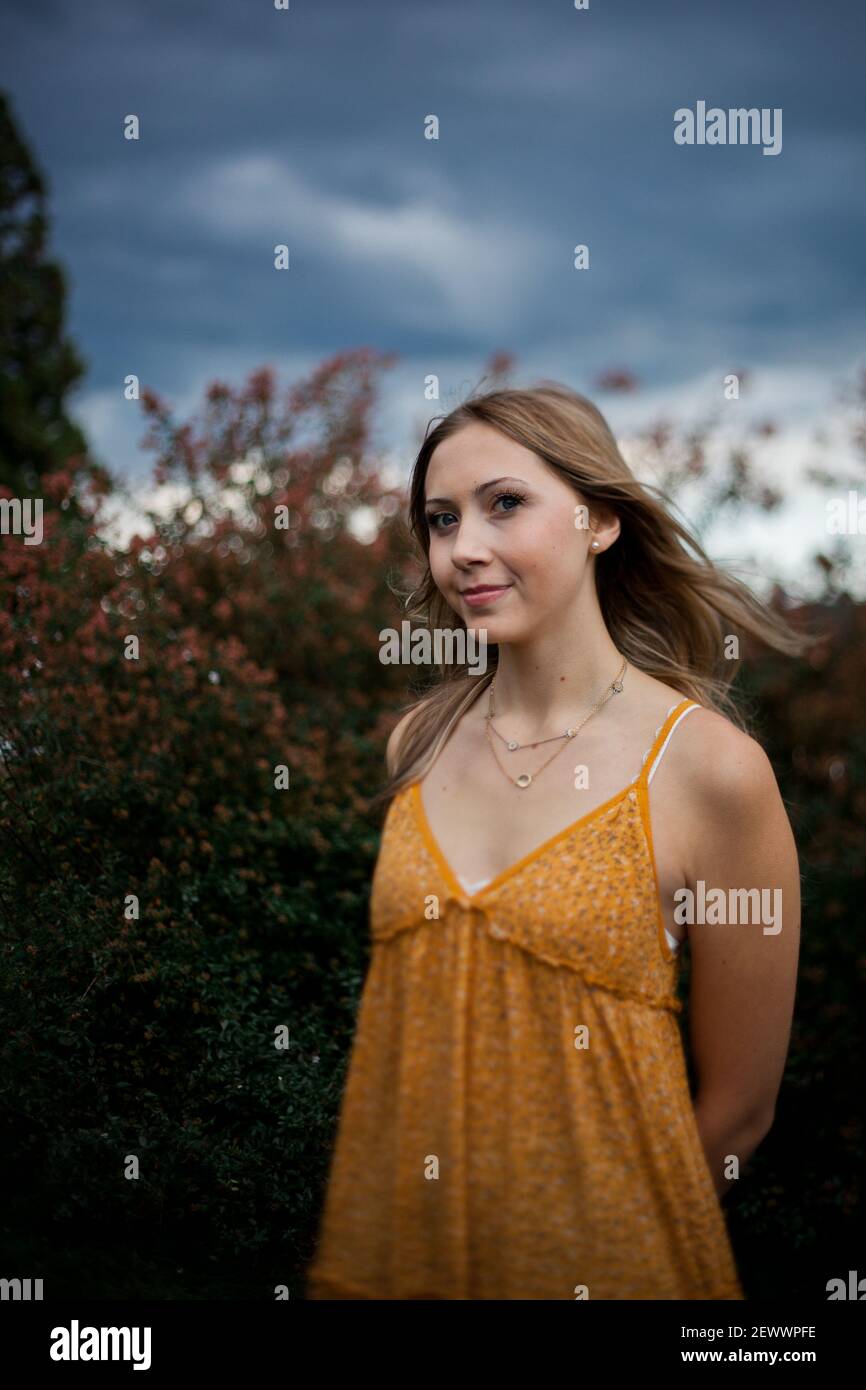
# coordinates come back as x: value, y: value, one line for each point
x: 485, y: 596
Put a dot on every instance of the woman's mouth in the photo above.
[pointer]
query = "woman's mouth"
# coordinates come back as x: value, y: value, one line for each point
x: 484, y: 594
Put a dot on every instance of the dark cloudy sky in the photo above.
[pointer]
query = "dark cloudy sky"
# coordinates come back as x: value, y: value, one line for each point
x: 306, y: 126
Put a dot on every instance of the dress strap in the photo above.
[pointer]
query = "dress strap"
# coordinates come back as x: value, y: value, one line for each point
x: 653, y: 756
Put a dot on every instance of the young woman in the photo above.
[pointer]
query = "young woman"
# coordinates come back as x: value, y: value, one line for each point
x: 517, y: 1121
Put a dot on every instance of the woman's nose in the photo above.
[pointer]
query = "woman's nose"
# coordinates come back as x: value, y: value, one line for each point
x: 469, y: 541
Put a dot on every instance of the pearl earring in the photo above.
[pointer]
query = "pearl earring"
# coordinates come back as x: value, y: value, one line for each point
x: 594, y: 545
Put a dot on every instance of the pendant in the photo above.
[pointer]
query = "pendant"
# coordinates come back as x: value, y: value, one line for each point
x: 524, y: 779
x: 512, y: 745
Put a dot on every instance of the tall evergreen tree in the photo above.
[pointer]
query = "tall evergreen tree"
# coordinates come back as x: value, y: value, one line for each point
x: 38, y: 363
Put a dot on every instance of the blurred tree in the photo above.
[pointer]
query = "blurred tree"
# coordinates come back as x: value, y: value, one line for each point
x: 38, y: 364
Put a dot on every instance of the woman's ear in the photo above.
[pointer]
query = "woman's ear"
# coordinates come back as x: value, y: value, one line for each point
x: 604, y: 529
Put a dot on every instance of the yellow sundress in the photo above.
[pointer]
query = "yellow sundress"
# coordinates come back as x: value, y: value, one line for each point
x: 516, y: 1121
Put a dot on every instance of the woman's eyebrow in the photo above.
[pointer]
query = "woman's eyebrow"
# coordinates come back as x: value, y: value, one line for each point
x: 476, y: 492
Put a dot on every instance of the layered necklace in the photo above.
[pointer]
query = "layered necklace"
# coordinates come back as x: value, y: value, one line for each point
x: 525, y: 778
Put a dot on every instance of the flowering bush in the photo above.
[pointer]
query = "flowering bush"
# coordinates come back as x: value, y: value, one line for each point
x: 167, y: 901
x: 190, y: 730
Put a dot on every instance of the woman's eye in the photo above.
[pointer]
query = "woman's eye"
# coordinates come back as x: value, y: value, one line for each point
x: 435, y: 518
x: 511, y: 496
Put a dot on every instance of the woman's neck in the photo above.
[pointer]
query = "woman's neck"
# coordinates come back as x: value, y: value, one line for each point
x: 546, y: 692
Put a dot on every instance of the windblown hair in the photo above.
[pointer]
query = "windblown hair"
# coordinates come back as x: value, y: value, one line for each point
x: 666, y: 605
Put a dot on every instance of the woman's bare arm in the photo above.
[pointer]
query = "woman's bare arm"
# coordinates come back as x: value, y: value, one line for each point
x: 744, y: 972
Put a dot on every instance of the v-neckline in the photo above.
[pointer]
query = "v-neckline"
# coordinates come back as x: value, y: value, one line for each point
x: 454, y: 882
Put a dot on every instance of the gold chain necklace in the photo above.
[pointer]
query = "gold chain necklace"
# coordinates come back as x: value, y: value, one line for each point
x: 525, y: 778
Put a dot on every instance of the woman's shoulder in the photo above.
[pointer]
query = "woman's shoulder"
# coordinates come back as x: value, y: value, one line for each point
x: 726, y: 804
x: 724, y: 768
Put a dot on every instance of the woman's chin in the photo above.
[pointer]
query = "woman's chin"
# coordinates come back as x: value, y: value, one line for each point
x: 489, y: 631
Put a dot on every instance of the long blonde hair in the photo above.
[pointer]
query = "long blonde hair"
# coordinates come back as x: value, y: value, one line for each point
x: 666, y: 605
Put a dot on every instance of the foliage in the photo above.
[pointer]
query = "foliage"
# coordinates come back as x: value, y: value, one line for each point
x: 152, y: 777
x: 153, y: 1034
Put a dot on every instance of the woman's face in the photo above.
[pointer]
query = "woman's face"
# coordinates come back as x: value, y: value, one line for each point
x: 498, y: 516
